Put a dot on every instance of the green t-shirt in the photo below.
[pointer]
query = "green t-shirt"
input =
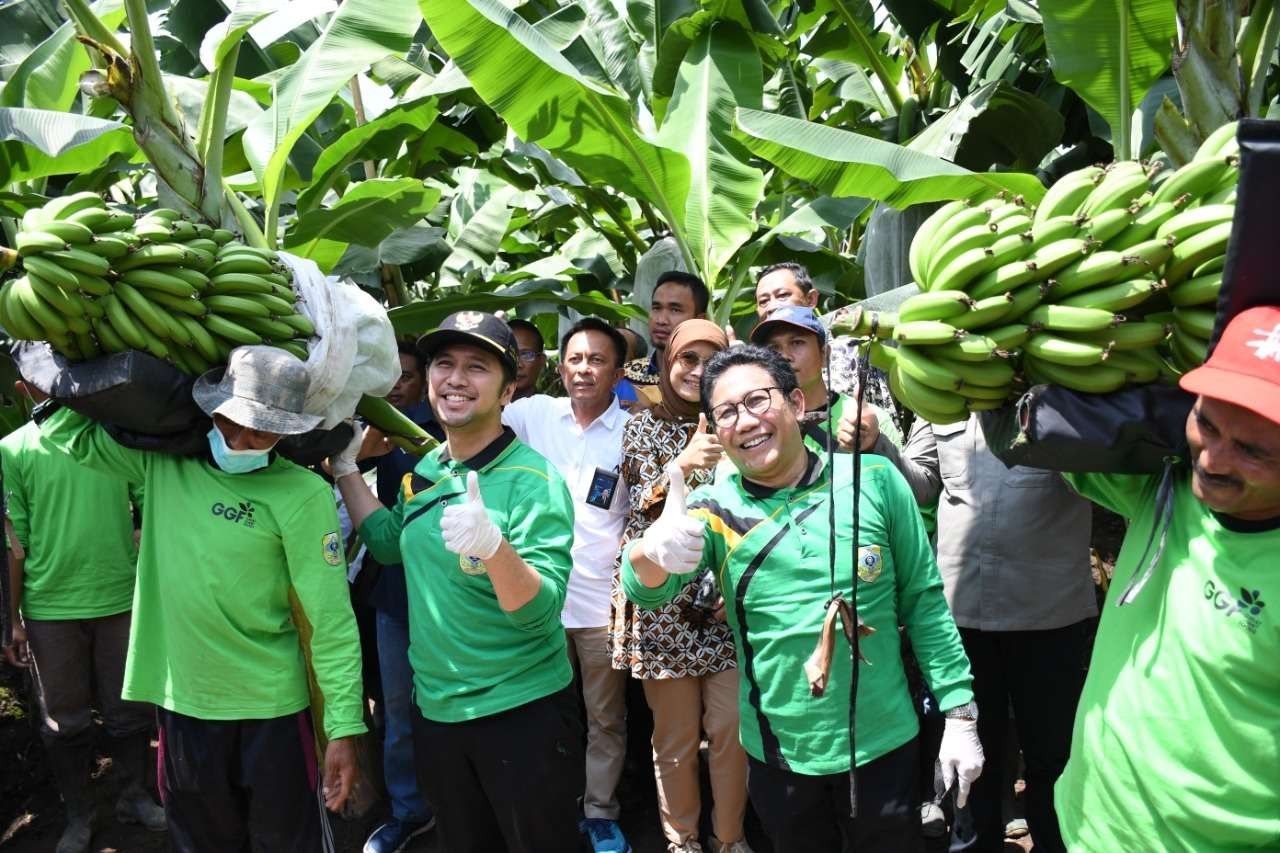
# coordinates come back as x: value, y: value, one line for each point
x: 75, y: 526
x: 1177, y: 739
x: 769, y: 552
x: 470, y: 658
x: 223, y: 559
x: 815, y: 432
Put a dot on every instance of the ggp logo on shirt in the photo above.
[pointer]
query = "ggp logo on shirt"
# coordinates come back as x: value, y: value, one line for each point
x: 1245, y: 608
x: 239, y: 513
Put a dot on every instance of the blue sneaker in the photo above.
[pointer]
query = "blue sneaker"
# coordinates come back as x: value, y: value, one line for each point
x: 393, y: 836
x: 605, y: 835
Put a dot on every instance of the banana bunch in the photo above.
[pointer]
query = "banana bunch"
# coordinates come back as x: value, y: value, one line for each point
x: 1081, y: 291
x: 98, y: 280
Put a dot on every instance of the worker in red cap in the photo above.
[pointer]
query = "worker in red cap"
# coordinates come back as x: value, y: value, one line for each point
x: 1177, y: 737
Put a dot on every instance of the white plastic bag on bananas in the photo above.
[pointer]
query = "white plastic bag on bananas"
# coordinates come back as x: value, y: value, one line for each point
x: 354, y: 352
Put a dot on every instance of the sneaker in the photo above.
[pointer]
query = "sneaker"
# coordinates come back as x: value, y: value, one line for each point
x: 136, y: 806
x: 718, y: 846
x: 605, y: 835
x: 933, y: 823
x: 393, y: 836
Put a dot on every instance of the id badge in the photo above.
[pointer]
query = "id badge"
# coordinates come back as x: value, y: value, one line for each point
x: 603, y: 485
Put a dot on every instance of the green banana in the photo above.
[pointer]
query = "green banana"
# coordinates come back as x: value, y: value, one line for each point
x: 972, y: 347
x: 1218, y: 142
x: 293, y: 348
x: 1189, y: 222
x: 124, y: 325
x: 236, y: 282
x: 94, y: 285
x: 922, y: 306
x: 230, y: 330
x: 201, y: 340
x: 277, y: 306
x: 1047, y: 260
x: 78, y: 260
x: 1129, y: 335
x: 992, y: 373
x: 241, y: 264
x: 108, y: 247
x: 1196, y: 179
x: 1055, y: 229
x: 1201, y: 290
x: 157, y: 254
x: 222, y: 236
x: 107, y: 336
x: 1068, y: 193
x: 237, y: 306
x: 149, y: 314
x: 1195, y: 321
x: 300, y: 324
x: 1093, y: 379
x: 1123, y: 182
x: 925, y: 332
x: 48, y: 319
x: 966, y: 218
x: 985, y: 393
x: 1010, y: 337
x: 1106, y: 224
x: 1116, y: 297
x: 92, y: 218
x: 1196, y: 250
x: 1215, y: 264
x: 1147, y: 256
x: 1025, y: 298
x: 1066, y: 351
x: 912, y: 361
x: 1188, y: 348
x: 270, y: 329
x: 975, y: 237
x: 923, y: 240
x: 984, y: 312
x: 18, y: 322
x: 1144, y: 225
x: 1064, y: 318
x: 962, y: 269
x: 53, y: 295
x: 1140, y: 366
x: 38, y: 242
x: 1003, y: 279
x: 51, y: 271
x: 158, y: 279
x: 929, y: 398
x: 117, y: 221
x: 66, y: 206
x: 153, y: 231
x: 195, y: 278
x: 180, y: 304
x: 1101, y: 267
x: 87, y: 345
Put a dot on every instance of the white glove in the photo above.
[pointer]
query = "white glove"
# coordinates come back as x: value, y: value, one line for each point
x: 345, y: 462
x: 674, y: 541
x: 961, y: 757
x: 466, y: 526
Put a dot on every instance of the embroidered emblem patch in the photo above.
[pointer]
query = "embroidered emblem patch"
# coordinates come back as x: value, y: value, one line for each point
x: 870, y: 563
x: 331, y: 546
x: 468, y: 320
x: 471, y: 565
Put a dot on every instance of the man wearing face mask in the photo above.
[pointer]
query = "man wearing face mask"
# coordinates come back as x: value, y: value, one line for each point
x: 240, y: 555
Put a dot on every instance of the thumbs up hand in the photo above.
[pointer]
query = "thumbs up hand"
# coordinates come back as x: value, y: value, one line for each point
x: 674, y: 541
x: 466, y: 527
x: 703, y: 451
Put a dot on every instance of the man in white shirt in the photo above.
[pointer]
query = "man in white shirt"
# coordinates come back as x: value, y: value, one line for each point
x: 581, y: 435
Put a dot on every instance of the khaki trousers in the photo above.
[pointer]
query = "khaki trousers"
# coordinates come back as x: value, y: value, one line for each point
x: 683, y: 709
x: 604, y: 691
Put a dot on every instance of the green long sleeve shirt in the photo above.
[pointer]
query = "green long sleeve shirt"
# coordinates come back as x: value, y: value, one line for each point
x: 75, y: 526
x: 222, y: 558
x: 769, y: 550
x: 471, y: 658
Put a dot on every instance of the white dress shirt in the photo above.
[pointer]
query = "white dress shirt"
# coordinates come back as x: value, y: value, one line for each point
x: 548, y: 426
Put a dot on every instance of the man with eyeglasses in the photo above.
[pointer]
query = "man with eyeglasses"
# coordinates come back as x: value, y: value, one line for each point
x: 532, y: 358
x: 765, y: 531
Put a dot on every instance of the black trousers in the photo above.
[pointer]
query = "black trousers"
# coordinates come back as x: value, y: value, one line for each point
x: 241, y: 786
x: 1041, y: 674
x: 508, y: 781
x: 807, y: 814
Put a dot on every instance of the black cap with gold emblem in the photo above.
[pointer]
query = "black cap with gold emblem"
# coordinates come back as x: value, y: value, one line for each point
x: 475, y: 328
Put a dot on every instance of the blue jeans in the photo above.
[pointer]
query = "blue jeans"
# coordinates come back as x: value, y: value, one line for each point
x: 407, y: 804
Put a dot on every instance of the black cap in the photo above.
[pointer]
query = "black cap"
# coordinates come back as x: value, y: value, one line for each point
x: 474, y: 328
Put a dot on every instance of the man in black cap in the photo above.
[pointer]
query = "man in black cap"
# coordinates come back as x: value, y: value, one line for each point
x: 484, y: 527
x: 240, y: 559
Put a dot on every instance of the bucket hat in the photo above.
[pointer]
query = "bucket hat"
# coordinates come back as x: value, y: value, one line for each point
x: 262, y: 388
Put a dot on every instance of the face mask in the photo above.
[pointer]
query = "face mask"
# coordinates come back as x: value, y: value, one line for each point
x: 235, y: 461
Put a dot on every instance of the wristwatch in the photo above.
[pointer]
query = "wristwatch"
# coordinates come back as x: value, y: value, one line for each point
x: 967, y: 711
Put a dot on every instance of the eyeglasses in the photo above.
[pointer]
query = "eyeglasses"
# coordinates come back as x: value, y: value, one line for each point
x: 528, y: 355
x: 690, y: 359
x: 756, y: 402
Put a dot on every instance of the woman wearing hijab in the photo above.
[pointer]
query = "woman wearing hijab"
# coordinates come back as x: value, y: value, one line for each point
x: 683, y: 654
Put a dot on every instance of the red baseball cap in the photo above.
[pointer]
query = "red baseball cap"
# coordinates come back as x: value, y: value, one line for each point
x: 1244, y: 368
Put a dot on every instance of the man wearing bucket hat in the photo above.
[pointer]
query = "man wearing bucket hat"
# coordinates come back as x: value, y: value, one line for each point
x: 483, y: 527
x: 240, y: 560
x: 1175, y: 743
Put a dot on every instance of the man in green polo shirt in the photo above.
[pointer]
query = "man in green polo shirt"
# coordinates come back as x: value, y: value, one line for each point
x: 483, y: 527
x: 240, y: 558
x: 74, y: 587
x: 1176, y: 743
x: 765, y: 532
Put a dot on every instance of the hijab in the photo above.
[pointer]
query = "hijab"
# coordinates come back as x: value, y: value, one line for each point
x: 674, y: 407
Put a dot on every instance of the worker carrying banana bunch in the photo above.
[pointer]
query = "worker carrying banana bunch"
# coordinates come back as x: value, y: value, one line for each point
x: 765, y: 532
